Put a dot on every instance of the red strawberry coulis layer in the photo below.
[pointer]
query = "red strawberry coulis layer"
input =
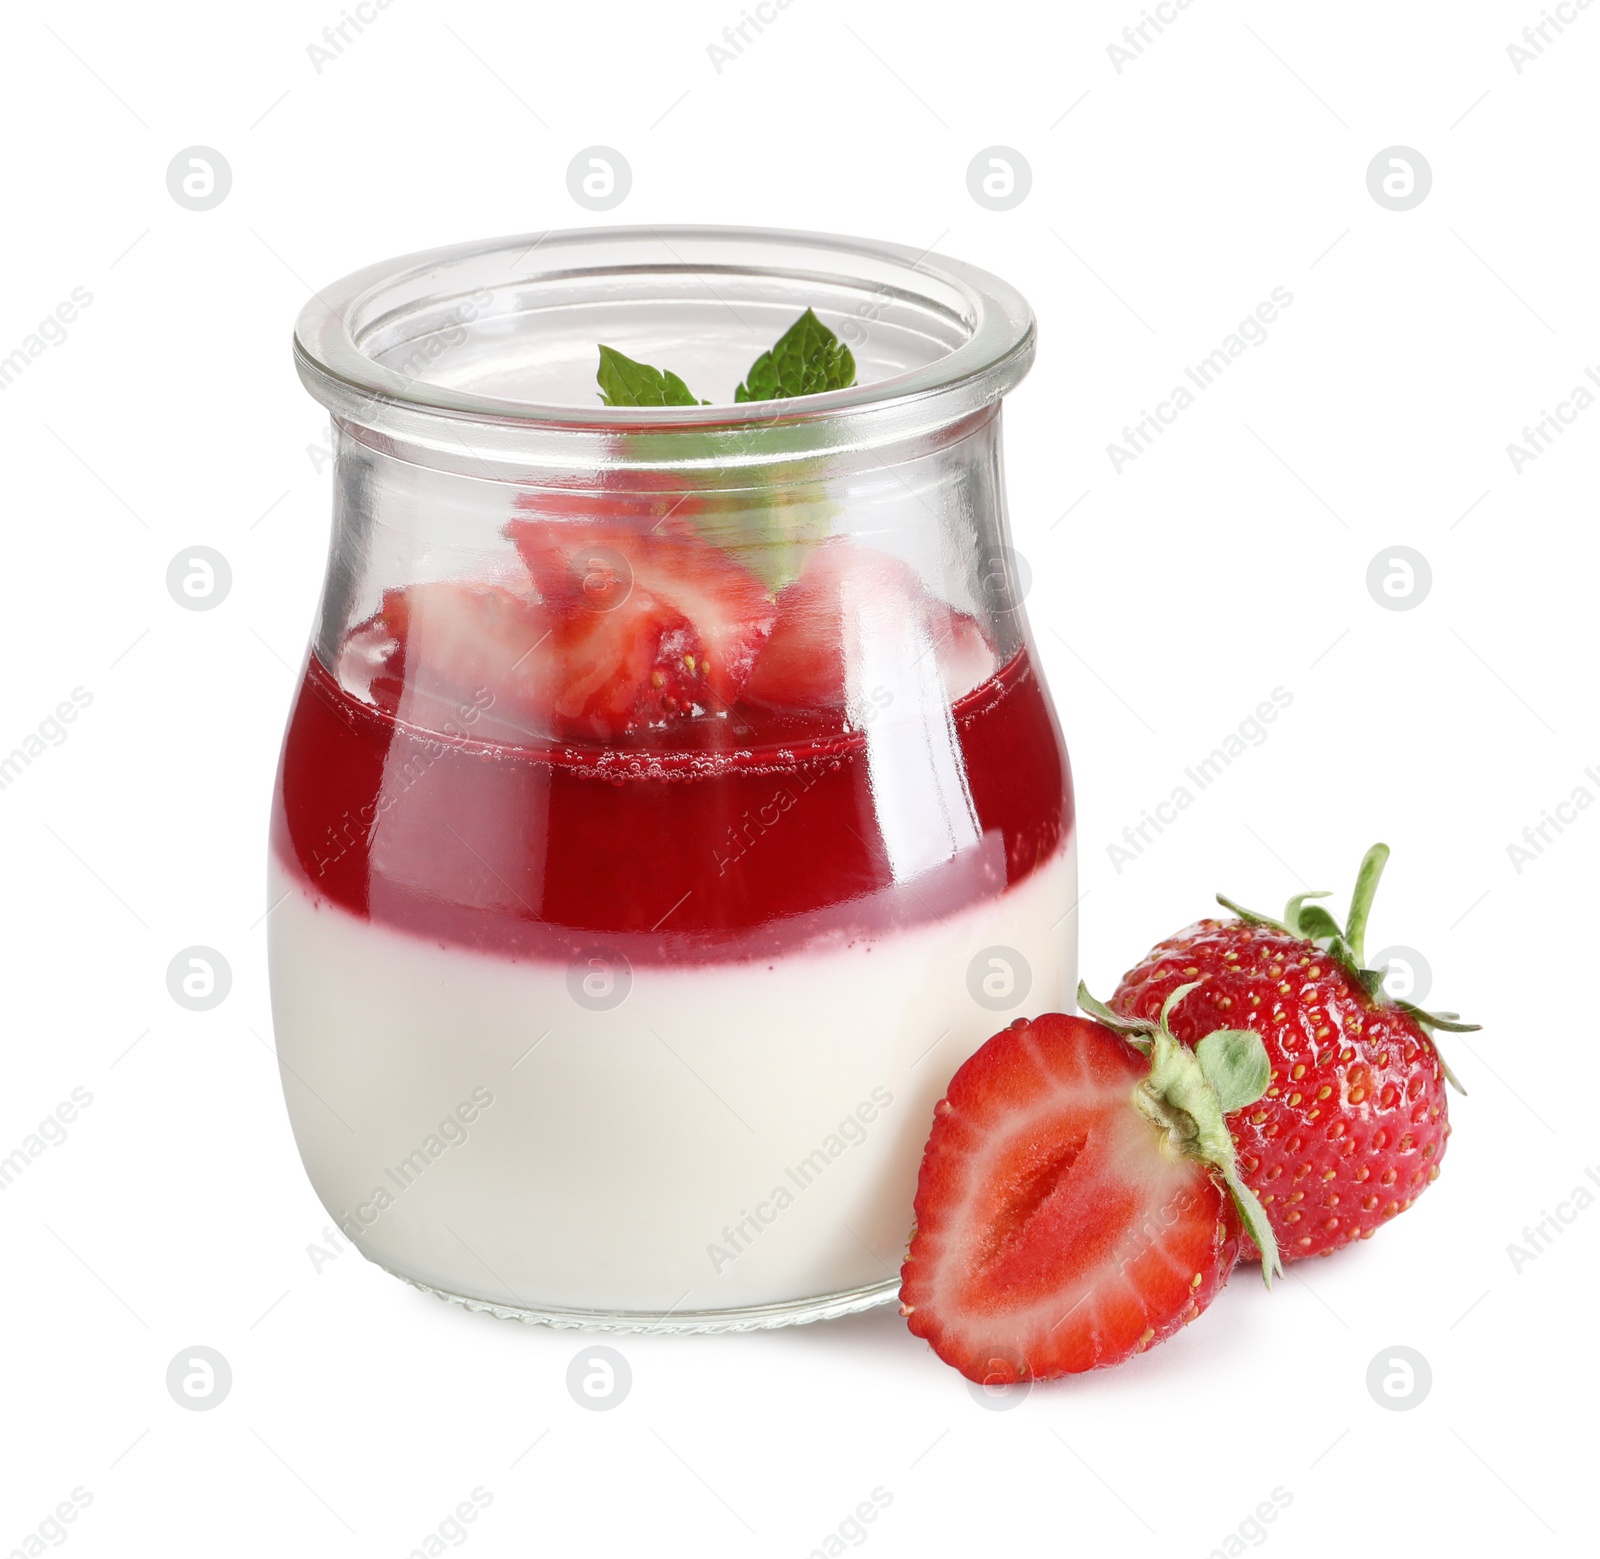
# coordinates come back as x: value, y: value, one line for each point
x: 732, y: 836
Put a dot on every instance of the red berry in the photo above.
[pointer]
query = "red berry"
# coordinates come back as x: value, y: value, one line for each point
x: 1356, y: 1104
x: 849, y: 602
x: 1061, y: 1223
x: 432, y: 652
x: 593, y: 562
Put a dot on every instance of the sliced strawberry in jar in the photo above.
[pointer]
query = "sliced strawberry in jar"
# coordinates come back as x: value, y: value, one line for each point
x: 853, y: 606
x: 965, y: 659
x: 575, y: 560
x: 1064, y: 1218
x: 637, y: 663
x: 434, y: 651
x: 801, y: 665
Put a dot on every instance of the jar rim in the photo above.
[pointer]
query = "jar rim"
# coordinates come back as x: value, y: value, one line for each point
x: 997, y: 323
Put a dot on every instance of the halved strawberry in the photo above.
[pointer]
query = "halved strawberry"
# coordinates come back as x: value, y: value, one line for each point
x: 850, y: 604
x: 433, y: 650
x: 1078, y: 1200
x: 574, y: 558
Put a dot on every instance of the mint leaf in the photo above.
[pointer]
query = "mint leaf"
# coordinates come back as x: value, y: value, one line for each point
x: 807, y: 359
x: 624, y: 382
x: 791, y: 518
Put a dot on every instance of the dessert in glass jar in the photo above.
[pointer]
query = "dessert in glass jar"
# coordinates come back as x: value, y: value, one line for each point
x: 671, y: 801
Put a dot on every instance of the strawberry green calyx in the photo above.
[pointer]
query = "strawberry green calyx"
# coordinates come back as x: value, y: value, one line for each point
x: 1346, y: 945
x: 1136, y: 1031
x: 1188, y: 1094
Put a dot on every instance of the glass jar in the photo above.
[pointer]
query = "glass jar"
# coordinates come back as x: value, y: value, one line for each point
x: 672, y: 801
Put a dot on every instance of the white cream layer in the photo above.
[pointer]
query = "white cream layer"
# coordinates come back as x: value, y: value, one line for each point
x: 728, y: 1135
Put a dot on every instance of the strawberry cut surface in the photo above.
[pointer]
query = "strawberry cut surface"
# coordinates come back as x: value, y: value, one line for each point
x: 595, y: 561
x: 1055, y: 1231
x: 847, y: 594
x: 432, y: 651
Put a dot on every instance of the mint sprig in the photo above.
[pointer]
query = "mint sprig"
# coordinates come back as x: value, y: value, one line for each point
x: 623, y: 382
x: 806, y: 360
x: 774, y: 523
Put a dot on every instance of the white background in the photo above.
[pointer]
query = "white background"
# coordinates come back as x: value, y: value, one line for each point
x: 1167, y: 200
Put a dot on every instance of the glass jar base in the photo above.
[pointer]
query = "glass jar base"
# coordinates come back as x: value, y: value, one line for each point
x: 753, y: 1318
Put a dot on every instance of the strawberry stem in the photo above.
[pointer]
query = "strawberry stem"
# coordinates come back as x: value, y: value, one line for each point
x: 1355, y: 928
x: 1312, y: 923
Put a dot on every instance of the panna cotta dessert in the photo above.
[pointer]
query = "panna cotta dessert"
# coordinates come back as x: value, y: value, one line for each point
x: 659, y: 1024
x: 650, y: 846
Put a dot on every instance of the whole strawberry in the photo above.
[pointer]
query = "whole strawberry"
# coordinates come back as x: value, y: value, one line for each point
x: 1353, y: 1123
